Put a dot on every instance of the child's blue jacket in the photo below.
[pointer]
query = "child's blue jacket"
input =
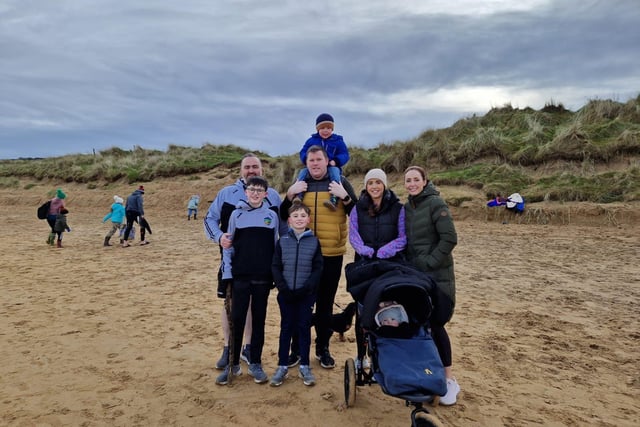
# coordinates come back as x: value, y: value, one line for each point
x: 334, y: 146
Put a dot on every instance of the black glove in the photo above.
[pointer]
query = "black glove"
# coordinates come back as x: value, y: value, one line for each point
x: 222, y: 287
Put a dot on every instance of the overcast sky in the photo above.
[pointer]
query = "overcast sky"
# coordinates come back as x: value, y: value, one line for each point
x: 82, y: 75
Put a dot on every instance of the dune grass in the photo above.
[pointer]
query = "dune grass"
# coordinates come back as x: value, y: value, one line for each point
x: 592, y: 154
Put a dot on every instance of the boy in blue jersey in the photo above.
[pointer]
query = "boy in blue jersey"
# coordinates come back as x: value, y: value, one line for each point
x: 253, y: 231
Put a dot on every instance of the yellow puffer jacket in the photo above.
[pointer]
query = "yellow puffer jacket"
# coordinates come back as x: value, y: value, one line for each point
x: 330, y: 227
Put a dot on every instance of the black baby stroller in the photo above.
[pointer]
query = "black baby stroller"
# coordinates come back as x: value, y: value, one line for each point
x: 404, y: 359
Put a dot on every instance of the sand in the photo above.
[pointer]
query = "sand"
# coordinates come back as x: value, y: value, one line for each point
x: 546, y: 330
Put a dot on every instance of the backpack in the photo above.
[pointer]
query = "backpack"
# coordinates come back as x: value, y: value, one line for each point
x: 43, y: 210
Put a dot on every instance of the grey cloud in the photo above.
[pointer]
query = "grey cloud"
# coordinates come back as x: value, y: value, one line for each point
x: 78, y: 76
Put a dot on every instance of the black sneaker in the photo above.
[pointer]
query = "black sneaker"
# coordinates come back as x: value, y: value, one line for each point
x: 294, y: 359
x: 326, y: 361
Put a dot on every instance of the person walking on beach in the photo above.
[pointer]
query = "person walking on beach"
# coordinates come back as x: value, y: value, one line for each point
x: 116, y: 214
x: 192, y: 207
x: 56, y: 205
x: 61, y: 225
x: 134, y: 209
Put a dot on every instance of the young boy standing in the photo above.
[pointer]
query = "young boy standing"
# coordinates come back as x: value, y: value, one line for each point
x: 297, y: 269
x: 253, y: 230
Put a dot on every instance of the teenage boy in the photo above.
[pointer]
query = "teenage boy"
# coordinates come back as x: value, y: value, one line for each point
x: 253, y: 231
x: 216, y: 223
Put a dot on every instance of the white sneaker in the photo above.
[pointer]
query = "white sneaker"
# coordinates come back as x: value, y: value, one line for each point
x: 365, y: 363
x: 452, y: 392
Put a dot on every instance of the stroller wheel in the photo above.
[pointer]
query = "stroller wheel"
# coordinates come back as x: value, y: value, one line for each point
x: 349, y: 382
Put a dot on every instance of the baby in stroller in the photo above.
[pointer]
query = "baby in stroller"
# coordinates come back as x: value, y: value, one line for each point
x: 394, y: 307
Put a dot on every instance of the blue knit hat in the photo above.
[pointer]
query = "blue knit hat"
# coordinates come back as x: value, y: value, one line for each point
x: 324, y: 119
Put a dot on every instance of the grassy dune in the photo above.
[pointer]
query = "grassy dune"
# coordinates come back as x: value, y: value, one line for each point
x: 551, y: 154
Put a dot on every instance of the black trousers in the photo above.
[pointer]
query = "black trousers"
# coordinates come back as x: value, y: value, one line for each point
x: 256, y: 294
x: 132, y: 216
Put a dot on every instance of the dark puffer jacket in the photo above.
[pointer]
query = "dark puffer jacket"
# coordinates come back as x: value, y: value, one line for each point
x: 379, y: 230
x: 297, y: 263
x: 431, y: 237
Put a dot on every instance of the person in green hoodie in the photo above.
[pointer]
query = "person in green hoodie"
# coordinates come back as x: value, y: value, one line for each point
x: 431, y: 237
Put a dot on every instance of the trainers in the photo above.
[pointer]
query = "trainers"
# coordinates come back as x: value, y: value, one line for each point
x: 245, y: 354
x: 255, y: 370
x: 329, y: 204
x: 304, y: 372
x: 364, y: 364
x: 224, y: 359
x: 326, y: 361
x: 452, y: 392
x: 223, y: 378
x: 294, y: 359
x: 278, y: 378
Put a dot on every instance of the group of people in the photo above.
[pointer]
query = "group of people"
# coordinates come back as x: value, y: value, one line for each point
x: 297, y: 245
x: 124, y: 216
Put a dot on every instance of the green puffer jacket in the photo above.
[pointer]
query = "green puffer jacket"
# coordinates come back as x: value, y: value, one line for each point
x: 431, y: 237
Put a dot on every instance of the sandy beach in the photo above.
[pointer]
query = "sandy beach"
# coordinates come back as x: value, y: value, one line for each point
x: 546, y: 330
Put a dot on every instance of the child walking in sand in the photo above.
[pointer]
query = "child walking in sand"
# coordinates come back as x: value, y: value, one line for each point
x: 192, y: 207
x: 61, y: 225
x: 116, y: 214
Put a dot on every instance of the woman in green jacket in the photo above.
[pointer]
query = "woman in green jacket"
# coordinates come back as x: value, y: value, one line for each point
x: 431, y: 237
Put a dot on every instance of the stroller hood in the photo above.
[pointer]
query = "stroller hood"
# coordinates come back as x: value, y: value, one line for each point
x: 409, y: 291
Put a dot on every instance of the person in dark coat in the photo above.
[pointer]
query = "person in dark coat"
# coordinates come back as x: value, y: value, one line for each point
x: 134, y: 209
x: 431, y: 238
